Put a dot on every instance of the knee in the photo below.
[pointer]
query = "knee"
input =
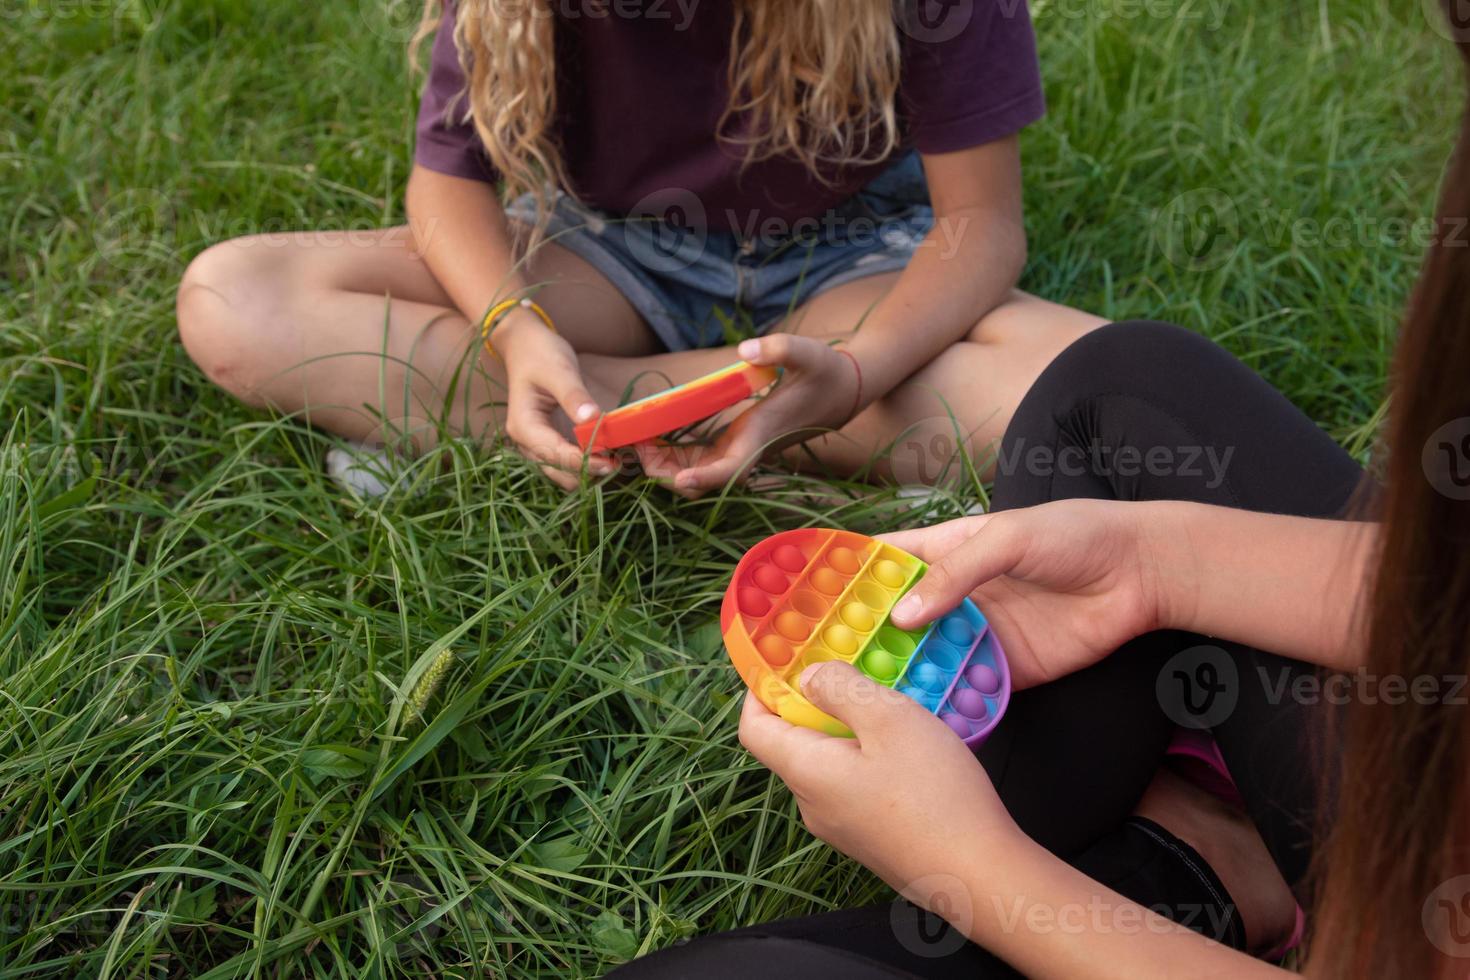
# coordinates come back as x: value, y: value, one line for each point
x: 1129, y: 353
x: 222, y: 306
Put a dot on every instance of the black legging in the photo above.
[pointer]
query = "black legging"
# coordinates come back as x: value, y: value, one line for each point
x: 1132, y: 411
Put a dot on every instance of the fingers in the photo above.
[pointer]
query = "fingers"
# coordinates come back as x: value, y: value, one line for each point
x: 932, y: 543
x: 774, y: 741
x: 528, y: 424
x: 867, y: 708
x: 993, y: 550
x: 662, y: 462
x: 567, y: 388
x: 785, y: 350
x: 734, y: 453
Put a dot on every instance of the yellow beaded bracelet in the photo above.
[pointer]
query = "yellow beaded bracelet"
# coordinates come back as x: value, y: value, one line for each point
x: 498, y: 311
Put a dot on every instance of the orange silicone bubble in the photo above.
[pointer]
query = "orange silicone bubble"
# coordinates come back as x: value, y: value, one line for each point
x: 845, y: 560
x: 667, y: 411
x: 793, y: 626
x: 827, y: 582
x: 776, y: 650
x: 789, y: 557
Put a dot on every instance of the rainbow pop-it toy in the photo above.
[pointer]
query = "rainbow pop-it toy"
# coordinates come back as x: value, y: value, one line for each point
x: 804, y: 596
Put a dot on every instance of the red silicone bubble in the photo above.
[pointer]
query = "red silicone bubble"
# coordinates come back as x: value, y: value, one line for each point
x: 768, y: 578
x: 789, y: 557
x: 754, y: 602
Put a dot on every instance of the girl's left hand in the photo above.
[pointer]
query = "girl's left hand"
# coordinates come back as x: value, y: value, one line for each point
x: 816, y: 394
x: 905, y: 797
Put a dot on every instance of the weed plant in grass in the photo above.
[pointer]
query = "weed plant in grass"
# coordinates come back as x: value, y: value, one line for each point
x: 250, y: 725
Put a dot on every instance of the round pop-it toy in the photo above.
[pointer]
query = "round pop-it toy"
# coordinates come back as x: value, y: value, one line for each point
x: 802, y: 597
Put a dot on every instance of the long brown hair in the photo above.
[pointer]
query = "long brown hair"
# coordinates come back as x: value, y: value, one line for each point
x: 1400, y: 829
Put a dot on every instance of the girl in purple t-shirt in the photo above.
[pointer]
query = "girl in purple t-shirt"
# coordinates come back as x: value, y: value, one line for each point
x: 656, y: 175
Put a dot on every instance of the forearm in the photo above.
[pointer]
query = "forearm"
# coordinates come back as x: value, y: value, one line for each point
x: 460, y: 230
x: 1047, y: 919
x: 1291, y: 585
x: 964, y: 268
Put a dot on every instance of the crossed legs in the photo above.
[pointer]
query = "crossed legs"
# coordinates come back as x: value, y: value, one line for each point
x: 352, y: 332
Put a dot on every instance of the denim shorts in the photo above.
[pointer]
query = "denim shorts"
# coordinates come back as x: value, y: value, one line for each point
x: 699, y: 287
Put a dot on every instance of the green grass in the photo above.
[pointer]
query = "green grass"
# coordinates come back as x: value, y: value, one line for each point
x: 208, y: 756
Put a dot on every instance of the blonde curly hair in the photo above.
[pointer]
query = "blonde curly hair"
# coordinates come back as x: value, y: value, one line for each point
x: 813, y: 79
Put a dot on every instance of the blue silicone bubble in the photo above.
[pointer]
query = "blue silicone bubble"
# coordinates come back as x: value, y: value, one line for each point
x: 945, y: 656
x: 957, y: 630
x: 928, y: 677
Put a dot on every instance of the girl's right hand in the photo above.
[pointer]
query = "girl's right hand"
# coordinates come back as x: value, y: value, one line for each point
x: 544, y: 377
x: 1064, y: 583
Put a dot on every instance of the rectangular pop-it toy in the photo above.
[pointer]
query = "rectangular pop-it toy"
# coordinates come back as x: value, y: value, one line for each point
x: 682, y: 405
x: 804, y: 596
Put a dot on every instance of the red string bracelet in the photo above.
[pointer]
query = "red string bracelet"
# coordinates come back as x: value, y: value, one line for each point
x: 857, y: 399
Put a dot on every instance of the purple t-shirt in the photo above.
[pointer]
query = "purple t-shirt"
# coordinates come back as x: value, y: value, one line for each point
x: 640, y: 97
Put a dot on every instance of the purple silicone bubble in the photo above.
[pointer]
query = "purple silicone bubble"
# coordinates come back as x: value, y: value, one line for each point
x: 969, y: 703
x: 957, y: 724
x: 983, y: 678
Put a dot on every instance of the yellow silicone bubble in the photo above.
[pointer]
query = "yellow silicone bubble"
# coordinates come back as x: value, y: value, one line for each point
x: 858, y: 616
x: 888, y: 573
x: 841, y: 639
x: 870, y: 595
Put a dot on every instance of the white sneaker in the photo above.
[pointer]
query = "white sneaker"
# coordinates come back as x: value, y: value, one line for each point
x: 367, y: 471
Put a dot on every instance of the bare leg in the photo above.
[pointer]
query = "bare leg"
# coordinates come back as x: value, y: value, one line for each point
x: 356, y: 335
x: 1230, y: 844
x: 960, y: 401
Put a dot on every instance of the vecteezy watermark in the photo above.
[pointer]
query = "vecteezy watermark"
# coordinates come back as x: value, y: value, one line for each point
x: 1199, y: 687
x: 938, y: 927
x: 1446, y: 459
x: 681, y: 12
x: 670, y: 229
x: 1198, y: 230
x: 937, y: 21
x: 1207, y: 15
x: 392, y: 20
x: 1362, y: 687
x: 1446, y: 917
x: 57, y: 9
x: 1203, y: 228
x: 135, y: 229
x: 1208, y: 464
x: 1099, y: 915
x: 1450, y: 20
